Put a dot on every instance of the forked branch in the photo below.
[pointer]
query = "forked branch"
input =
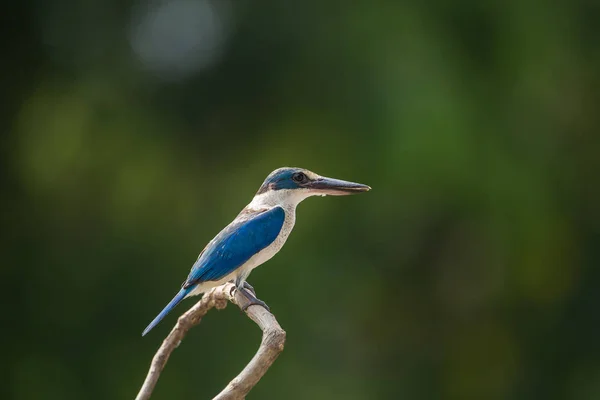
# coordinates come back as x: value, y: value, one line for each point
x: 271, y: 346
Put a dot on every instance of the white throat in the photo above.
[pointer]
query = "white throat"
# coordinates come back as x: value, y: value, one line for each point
x: 286, y: 198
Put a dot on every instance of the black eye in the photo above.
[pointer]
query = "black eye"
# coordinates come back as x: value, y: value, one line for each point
x: 299, y: 177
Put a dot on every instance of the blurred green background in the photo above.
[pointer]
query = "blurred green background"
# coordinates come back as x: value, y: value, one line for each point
x: 133, y: 132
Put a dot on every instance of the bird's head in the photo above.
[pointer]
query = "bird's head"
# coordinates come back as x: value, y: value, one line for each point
x: 295, y: 184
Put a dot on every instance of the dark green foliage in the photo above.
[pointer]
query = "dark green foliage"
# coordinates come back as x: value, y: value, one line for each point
x: 470, y: 271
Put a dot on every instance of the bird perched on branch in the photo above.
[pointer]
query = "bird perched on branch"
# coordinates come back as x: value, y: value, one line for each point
x: 256, y: 234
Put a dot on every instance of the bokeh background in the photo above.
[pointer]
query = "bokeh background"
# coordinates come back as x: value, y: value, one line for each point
x: 135, y: 131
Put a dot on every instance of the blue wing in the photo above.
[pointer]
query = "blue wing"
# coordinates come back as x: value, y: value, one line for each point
x: 233, y: 246
x: 251, y: 232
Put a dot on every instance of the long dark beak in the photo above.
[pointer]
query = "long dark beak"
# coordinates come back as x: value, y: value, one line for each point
x: 336, y: 187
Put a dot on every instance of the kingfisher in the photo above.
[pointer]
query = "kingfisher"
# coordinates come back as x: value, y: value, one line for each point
x: 256, y: 234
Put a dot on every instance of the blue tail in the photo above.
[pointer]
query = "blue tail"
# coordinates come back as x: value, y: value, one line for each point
x: 176, y: 300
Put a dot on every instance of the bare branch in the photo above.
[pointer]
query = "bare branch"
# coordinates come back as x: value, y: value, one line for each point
x: 271, y: 346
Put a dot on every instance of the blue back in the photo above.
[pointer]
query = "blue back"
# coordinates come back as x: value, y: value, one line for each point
x: 235, y: 244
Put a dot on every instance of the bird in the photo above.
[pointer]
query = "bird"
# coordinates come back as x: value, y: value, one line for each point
x: 258, y: 232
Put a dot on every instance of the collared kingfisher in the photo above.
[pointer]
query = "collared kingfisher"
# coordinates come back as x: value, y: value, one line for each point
x: 256, y: 234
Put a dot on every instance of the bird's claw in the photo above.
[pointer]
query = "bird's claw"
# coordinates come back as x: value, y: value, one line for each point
x: 248, y: 286
x: 248, y: 291
x: 256, y: 302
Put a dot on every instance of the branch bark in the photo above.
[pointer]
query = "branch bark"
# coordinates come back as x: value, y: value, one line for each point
x: 271, y: 346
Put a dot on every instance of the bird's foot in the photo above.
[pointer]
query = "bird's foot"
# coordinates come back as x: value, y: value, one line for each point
x: 256, y: 302
x: 248, y: 291
x: 248, y: 286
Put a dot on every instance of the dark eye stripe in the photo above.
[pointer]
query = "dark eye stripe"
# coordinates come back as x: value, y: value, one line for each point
x: 299, y: 177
